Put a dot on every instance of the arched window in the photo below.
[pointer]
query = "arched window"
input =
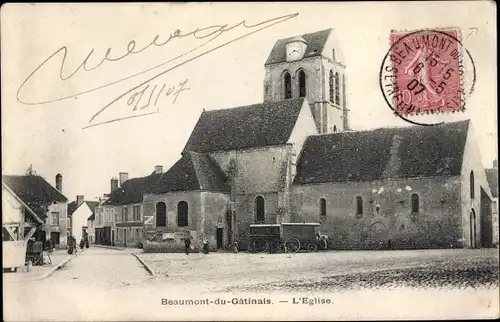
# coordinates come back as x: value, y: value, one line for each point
x: 287, y: 79
x: 331, y: 85
x: 182, y: 214
x: 415, y: 203
x: 335, y: 128
x: 161, y: 214
x: 260, y: 209
x: 302, y: 83
x: 322, y: 207
x: 337, y: 89
x: 359, y: 206
x: 472, y: 184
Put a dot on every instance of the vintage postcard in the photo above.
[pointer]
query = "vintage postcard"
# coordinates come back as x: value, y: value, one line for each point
x: 249, y: 161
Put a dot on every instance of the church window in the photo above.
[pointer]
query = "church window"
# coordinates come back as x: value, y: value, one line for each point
x: 359, y: 206
x: 259, y: 209
x: 288, y: 85
x: 322, y: 207
x: 335, y: 128
x: 333, y: 54
x: 415, y: 203
x: 337, y: 89
x: 331, y: 85
x: 472, y: 184
x: 182, y: 214
x: 161, y: 214
x: 302, y: 83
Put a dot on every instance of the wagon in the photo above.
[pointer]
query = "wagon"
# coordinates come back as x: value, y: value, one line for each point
x: 288, y: 237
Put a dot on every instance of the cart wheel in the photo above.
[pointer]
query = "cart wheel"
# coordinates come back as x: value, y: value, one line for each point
x: 260, y: 245
x: 292, y: 245
x: 312, y: 247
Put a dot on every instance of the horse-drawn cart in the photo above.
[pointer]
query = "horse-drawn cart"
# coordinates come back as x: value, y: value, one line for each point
x: 288, y: 237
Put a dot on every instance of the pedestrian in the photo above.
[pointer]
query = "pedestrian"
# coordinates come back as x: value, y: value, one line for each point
x: 187, y: 244
x: 235, y: 247
x: 205, y: 246
x: 82, y: 244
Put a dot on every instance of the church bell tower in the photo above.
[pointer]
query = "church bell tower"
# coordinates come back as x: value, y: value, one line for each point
x: 310, y: 66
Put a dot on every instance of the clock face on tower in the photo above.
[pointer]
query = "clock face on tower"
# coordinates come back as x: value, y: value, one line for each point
x: 294, y: 50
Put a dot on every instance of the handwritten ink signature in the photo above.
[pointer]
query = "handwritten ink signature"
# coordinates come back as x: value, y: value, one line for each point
x: 214, y: 32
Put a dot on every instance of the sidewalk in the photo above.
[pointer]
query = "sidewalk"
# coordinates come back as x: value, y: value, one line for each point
x: 38, y: 272
x: 129, y: 249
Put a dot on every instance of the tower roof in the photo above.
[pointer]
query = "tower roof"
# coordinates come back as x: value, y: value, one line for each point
x: 315, y: 43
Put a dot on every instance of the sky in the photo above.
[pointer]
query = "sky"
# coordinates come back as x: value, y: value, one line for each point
x: 52, y: 134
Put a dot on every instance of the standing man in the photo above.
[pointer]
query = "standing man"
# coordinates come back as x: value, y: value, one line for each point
x: 187, y: 244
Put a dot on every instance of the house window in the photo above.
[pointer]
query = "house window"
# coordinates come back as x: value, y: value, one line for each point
x: 302, y: 83
x: 161, y: 214
x: 287, y: 79
x: 415, y: 203
x: 260, y: 209
x: 337, y: 89
x: 54, y: 218
x: 125, y: 214
x: 359, y: 206
x: 472, y: 184
x: 118, y: 215
x: 182, y: 214
x: 331, y: 85
x: 322, y: 207
x: 137, y: 213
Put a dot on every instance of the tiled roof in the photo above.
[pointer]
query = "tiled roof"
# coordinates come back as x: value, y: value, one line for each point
x: 33, y: 188
x: 132, y: 190
x: 492, y: 177
x: 264, y: 124
x: 194, y: 171
x: 388, y: 153
x: 315, y: 43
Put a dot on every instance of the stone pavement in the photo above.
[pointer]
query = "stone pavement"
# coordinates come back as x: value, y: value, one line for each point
x: 37, y: 272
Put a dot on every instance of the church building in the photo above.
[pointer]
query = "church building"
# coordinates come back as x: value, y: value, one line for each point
x: 294, y: 158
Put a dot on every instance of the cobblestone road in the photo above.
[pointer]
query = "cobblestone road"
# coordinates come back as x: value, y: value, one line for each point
x: 104, y: 284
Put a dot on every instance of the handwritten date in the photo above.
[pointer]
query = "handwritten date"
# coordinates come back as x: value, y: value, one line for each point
x: 143, y: 98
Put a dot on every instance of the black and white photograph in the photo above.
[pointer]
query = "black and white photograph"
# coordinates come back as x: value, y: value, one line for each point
x: 249, y: 161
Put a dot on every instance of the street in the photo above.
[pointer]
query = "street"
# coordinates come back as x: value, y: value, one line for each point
x: 104, y: 284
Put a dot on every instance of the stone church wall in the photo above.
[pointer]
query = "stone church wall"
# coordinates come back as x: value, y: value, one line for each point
x: 214, y: 208
x: 175, y: 233
x: 437, y: 225
x: 472, y: 162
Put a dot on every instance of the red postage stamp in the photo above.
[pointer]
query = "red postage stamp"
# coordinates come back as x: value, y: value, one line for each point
x: 427, y: 71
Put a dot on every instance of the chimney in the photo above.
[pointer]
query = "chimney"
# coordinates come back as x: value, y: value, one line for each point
x: 495, y: 163
x: 79, y: 200
x: 159, y: 169
x: 123, y: 178
x: 59, y: 182
x: 114, y: 184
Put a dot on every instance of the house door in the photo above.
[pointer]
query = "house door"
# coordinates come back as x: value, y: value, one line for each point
x: 472, y: 229
x: 125, y: 237
x: 112, y: 236
x: 54, y: 236
x: 219, y: 237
